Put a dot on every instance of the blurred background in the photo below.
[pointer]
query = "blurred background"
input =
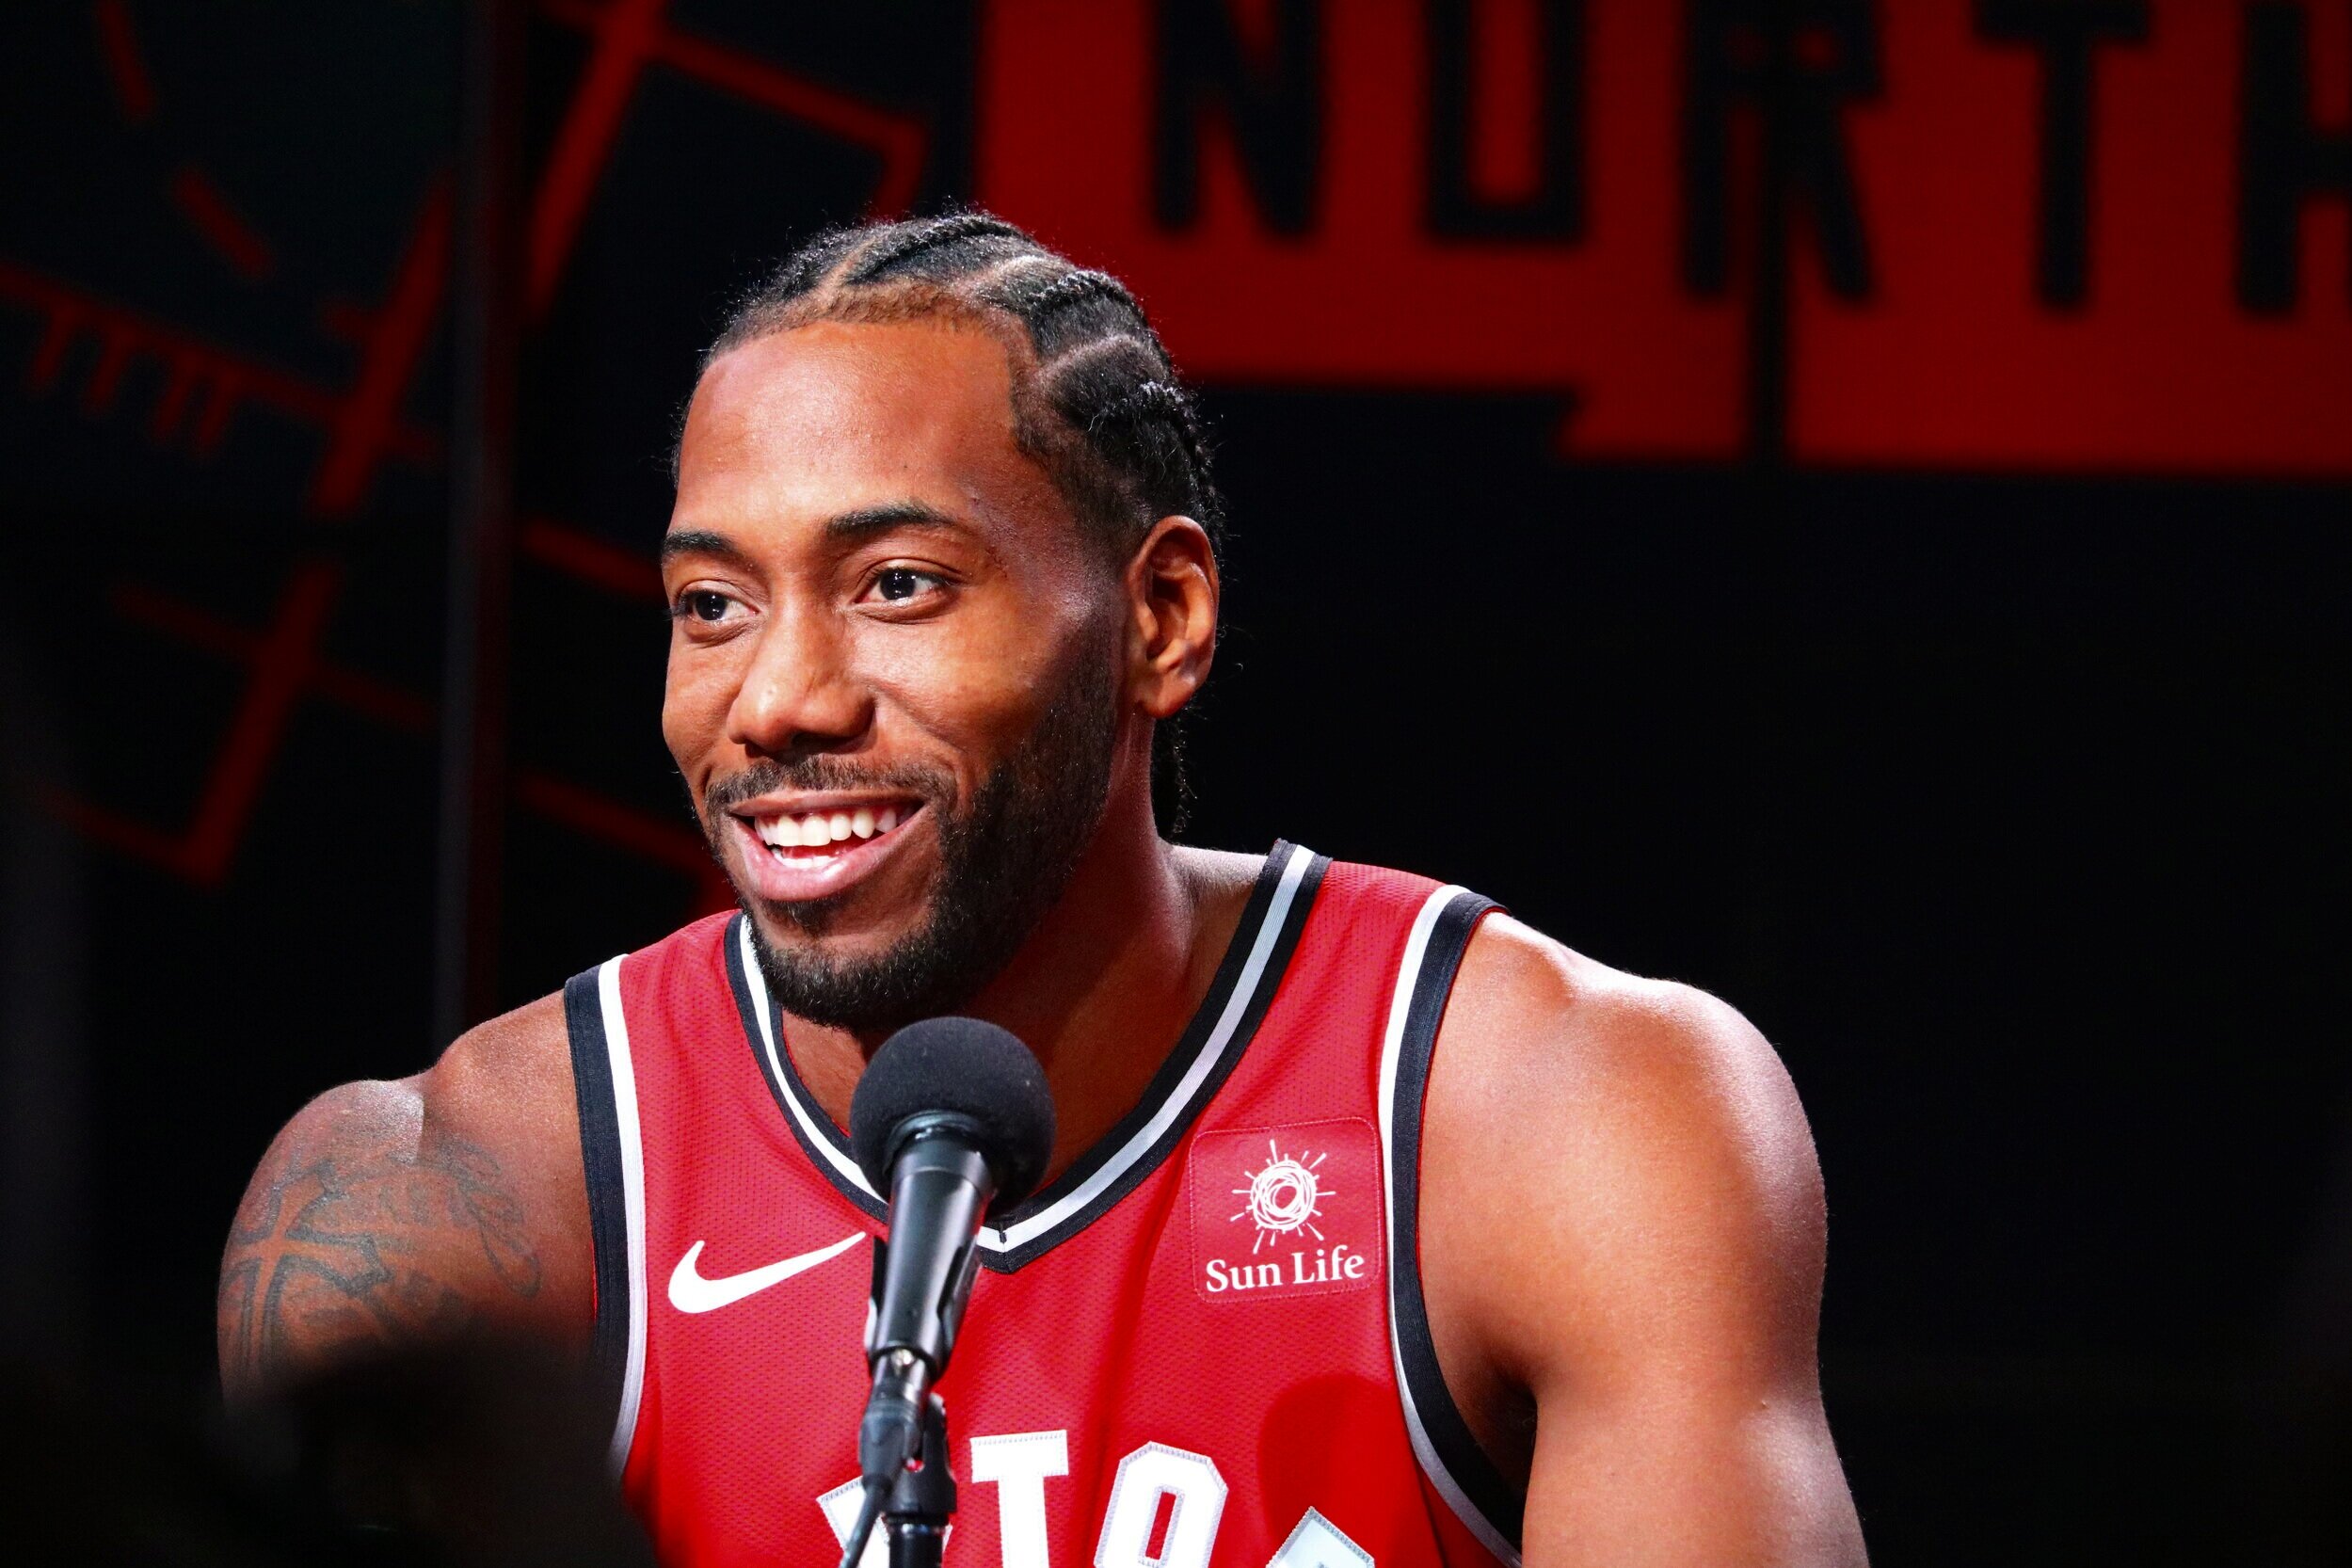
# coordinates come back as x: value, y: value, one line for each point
x: 1843, y: 504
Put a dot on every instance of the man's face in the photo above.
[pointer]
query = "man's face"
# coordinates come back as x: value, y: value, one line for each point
x: 894, y: 687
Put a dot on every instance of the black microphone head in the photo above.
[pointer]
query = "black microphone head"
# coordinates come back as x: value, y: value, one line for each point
x: 968, y: 1068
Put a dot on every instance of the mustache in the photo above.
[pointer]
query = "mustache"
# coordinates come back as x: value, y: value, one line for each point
x: 935, y: 786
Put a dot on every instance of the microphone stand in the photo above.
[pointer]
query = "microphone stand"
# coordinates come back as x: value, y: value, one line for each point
x: 919, y: 1288
x: 917, y: 1500
x: 923, y: 1500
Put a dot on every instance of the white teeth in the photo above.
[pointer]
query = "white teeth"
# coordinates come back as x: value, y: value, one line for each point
x: 820, y: 829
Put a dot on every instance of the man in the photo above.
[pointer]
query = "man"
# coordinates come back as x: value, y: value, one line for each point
x: 1379, y: 1227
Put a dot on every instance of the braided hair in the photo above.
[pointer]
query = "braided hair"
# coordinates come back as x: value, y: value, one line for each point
x: 1095, y: 399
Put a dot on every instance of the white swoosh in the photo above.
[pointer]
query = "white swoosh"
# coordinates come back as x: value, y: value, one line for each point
x: 690, y: 1292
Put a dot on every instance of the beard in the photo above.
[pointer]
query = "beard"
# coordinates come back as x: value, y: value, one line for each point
x: 1004, y: 860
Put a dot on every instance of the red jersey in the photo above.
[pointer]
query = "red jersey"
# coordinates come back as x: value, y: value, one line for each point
x: 1204, y: 1343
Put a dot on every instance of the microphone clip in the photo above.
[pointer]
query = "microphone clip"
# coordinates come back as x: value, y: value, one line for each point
x: 903, y: 1455
x: 922, y: 1503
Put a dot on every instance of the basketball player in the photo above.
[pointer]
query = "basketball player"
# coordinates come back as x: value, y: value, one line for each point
x: 1380, y: 1229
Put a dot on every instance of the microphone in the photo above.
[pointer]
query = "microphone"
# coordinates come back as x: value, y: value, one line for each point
x: 950, y: 1118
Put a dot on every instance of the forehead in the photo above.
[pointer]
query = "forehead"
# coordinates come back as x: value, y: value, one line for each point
x: 835, y: 416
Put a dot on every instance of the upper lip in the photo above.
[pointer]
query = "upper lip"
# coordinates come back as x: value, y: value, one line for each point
x: 824, y: 803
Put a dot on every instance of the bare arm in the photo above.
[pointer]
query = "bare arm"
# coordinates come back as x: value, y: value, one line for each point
x: 428, y: 1209
x: 1622, y: 1255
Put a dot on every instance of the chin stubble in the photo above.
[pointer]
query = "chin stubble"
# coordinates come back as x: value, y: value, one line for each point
x: 1003, y: 862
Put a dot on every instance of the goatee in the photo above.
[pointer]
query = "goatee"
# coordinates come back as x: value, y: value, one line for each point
x: 1004, y: 860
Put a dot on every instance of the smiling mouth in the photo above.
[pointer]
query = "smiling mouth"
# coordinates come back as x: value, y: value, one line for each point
x: 822, y: 835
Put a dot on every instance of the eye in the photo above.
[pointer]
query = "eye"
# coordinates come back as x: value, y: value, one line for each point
x: 899, y: 584
x: 705, y: 606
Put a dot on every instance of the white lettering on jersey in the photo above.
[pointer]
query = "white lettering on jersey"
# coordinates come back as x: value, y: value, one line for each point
x: 1316, y: 1543
x: 840, y: 1507
x: 1019, y: 1464
x: 1331, y: 1265
x: 1196, y: 1491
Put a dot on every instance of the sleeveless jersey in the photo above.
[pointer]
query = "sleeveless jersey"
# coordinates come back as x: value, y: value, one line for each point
x: 1203, y: 1344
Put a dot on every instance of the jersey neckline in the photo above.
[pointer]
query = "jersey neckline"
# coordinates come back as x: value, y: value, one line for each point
x: 1205, y: 1054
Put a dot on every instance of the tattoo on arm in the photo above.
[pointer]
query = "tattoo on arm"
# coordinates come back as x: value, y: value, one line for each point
x: 333, y: 1248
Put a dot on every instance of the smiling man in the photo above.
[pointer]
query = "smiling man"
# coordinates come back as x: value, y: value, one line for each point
x: 1380, y: 1228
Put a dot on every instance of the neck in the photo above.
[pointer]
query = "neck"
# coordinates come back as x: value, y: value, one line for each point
x: 1102, y: 988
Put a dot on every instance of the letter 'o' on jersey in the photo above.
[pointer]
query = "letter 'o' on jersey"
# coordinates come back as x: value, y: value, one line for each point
x: 1151, y: 1477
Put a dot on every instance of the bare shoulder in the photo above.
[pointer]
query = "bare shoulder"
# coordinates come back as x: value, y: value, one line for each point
x: 1634, y: 1144
x: 508, y: 1083
x: 420, y: 1207
x: 1535, y: 1026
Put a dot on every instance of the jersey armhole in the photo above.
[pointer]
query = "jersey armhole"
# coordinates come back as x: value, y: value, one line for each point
x: 613, y: 1159
x: 1450, y: 1459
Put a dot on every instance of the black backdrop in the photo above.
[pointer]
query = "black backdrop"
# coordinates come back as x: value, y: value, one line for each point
x: 2009, y: 805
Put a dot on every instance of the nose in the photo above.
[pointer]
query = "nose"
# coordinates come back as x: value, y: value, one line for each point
x: 800, y: 695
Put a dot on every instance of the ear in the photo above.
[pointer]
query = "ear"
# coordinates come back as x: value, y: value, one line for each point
x: 1172, y: 600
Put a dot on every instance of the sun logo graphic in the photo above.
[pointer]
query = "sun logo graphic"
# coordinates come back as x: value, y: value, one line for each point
x: 1308, y: 1198
x: 1283, y: 1198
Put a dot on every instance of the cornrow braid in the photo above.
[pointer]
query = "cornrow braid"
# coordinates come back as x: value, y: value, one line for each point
x: 1152, y: 397
x: 1195, y: 441
x: 892, y: 248
x: 1098, y: 402
x: 812, y: 261
x: 1084, y: 283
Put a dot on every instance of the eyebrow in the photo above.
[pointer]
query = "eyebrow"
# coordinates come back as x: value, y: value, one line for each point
x: 699, y: 542
x: 858, y: 524
x: 889, y: 515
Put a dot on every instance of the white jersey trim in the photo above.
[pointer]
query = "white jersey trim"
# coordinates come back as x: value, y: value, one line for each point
x: 633, y: 1202
x: 814, y: 1132
x: 1403, y: 1250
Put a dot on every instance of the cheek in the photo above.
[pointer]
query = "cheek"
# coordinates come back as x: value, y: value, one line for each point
x: 696, y: 693
x: 964, y: 702
x: 986, y: 689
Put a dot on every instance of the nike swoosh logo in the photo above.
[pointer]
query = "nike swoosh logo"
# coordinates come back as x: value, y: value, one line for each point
x: 690, y: 1292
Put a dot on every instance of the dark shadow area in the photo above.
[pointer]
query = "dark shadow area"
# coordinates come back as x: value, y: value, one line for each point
x: 480, y: 1455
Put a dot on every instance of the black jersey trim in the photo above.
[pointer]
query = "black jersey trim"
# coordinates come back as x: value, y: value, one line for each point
x: 608, y: 1203
x: 1488, y: 1505
x: 1205, y: 1056
x: 818, y: 1139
